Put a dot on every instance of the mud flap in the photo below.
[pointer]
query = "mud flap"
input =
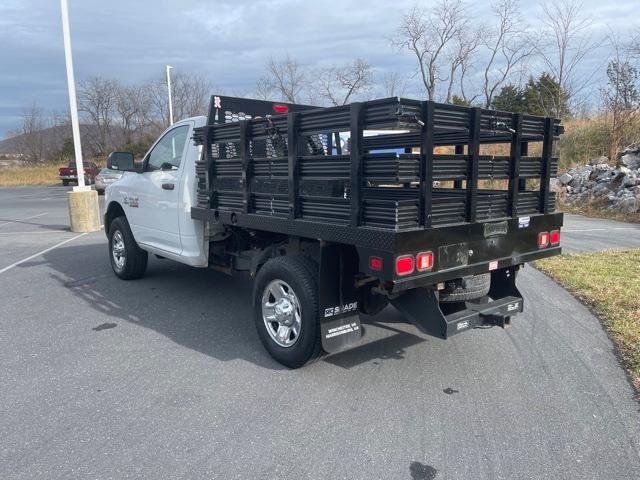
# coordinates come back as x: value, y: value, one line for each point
x: 338, y: 302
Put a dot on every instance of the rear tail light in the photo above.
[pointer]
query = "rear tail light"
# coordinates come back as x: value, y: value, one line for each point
x: 375, y: 263
x: 424, y: 261
x: 543, y: 239
x: 280, y: 108
x: 404, y: 265
x: 554, y: 237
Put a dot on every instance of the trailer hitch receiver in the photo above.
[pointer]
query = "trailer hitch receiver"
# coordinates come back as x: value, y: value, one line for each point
x: 422, y: 307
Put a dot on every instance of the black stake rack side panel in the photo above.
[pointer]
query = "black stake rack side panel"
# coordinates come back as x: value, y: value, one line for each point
x: 323, y: 166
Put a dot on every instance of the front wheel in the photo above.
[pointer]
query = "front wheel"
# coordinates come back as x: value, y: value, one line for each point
x: 286, y: 309
x: 128, y: 261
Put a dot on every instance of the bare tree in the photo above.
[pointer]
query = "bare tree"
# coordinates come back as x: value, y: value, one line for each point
x: 126, y: 105
x: 285, y: 77
x: 394, y: 85
x: 509, y: 46
x: 622, y: 93
x: 189, y: 92
x: 193, y: 93
x: 31, y: 136
x: 264, y: 89
x: 568, y: 44
x: 339, y: 85
x: 428, y: 35
x: 634, y: 45
x: 466, y: 44
x: 97, y: 100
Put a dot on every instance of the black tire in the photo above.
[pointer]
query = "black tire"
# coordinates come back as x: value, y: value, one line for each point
x: 467, y: 288
x: 301, y: 274
x: 100, y: 192
x: 65, y: 183
x: 135, y: 259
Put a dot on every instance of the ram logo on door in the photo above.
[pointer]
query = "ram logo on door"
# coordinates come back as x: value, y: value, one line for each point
x: 131, y: 201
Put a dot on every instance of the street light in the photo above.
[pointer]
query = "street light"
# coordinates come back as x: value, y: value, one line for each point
x: 73, y: 106
x: 169, y: 67
x: 84, y: 210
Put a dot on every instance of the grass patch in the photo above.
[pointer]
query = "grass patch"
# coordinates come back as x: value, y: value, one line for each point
x: 23, y: 176
x: 609, y: 283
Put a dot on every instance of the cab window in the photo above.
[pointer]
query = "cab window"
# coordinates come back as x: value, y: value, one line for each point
x: 168, y: 151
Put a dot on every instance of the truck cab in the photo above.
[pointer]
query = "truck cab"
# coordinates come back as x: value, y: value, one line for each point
x: 156, y: 197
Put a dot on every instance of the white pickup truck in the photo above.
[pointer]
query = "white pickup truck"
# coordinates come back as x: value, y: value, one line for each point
x: 332, y: 218
x: 156, y: 203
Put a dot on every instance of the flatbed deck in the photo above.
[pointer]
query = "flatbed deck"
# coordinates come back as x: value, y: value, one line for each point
x: 314, y: 172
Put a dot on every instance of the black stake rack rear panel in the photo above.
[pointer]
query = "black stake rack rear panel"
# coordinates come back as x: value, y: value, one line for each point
x: 289, y: 172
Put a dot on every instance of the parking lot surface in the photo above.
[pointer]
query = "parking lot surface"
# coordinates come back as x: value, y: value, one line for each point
x: 165, y: 377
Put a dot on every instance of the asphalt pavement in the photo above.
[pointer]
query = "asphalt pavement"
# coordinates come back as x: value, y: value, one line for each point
x: 165, y: 377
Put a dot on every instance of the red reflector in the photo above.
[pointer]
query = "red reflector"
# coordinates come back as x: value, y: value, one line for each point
x: 543, y: 239
x: 404, y: 265
x: 375, y: 263
x: 424, y: 261
x: 554, y: 237
x: 280, y: 108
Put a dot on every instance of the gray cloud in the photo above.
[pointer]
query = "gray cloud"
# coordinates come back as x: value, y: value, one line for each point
x: 227, y: 41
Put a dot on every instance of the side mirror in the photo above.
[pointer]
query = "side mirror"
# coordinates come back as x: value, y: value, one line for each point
x: 168, y: 166
x: 121, y: 161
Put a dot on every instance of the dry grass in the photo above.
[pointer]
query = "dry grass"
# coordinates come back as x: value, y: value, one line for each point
x: 609, y: 283
x: 23, y: 176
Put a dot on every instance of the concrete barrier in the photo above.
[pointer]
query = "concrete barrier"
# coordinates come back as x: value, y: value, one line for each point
x: 84, y: 211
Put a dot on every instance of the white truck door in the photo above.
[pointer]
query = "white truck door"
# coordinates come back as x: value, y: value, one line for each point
x: 154, y: 213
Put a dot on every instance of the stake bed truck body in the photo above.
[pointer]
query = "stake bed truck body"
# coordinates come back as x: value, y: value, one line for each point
x: 339, y: 211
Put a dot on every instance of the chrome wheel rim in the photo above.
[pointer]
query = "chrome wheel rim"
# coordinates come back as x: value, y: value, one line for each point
x: 117, y: 250
x: 281, y: 313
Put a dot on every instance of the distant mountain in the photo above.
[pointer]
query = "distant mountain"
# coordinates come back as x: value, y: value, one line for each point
x: 53, y: 138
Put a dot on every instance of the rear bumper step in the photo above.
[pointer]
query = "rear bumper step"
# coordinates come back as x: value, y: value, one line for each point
x: 422, y: 307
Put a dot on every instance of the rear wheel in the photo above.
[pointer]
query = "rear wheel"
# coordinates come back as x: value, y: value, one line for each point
x: 128, y: 261
x: 285, y: 303
x: 65, y: 183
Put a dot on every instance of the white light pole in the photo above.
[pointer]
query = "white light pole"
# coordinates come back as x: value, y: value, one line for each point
x: 169, y: 67
x: 73, y: 105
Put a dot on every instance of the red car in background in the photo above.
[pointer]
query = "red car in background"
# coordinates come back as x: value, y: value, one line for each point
x: 70, y: 174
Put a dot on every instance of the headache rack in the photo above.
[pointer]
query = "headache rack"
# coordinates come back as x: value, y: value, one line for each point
x: 368, y: 170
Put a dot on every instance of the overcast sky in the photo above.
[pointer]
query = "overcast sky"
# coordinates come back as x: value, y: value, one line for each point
x: 228, y: 41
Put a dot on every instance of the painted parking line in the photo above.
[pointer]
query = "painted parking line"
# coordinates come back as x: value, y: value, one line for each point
x: 17, y: 220
x: 35, y: 255
x: 58, y: 231
x: 59, y: 194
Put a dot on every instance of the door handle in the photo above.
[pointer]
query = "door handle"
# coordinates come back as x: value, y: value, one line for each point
x: 167, y: 186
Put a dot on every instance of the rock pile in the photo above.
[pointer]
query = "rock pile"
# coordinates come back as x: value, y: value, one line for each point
x: 611, y: 187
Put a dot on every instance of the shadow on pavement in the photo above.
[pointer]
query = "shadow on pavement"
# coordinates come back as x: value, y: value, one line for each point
x: 201, y: 309
x: 62, y: 228
x: 388, y: 348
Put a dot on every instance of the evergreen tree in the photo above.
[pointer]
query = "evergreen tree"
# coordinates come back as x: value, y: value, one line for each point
x: 542, y: 94
x: 538, y: 97
x: 510, y: 99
